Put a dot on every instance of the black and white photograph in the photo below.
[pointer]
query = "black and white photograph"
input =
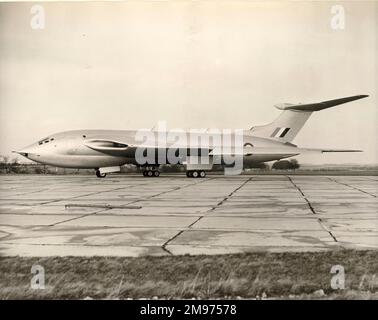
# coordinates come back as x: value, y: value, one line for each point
x: 207, y: 152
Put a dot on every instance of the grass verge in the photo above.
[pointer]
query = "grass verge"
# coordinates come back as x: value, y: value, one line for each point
x: 249, y: 275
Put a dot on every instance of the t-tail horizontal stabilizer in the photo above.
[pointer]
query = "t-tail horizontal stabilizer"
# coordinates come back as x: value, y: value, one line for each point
x: 293, y: 117
x: 318, y: 106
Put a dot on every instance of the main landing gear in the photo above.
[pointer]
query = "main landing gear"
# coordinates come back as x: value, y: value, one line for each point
x: 151, y: 172
x: 196, y: 174
x: 99, y: 174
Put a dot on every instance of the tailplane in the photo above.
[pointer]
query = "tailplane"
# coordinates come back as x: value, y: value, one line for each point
x: 294, y: 116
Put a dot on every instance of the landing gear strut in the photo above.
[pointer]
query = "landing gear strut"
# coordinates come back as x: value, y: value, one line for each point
x: 196, y: 174
x: 99, y: 174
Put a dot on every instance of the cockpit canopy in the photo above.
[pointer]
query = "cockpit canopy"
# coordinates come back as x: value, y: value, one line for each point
x: 45, y: 140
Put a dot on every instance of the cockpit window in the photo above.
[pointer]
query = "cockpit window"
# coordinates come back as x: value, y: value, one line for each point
x: 43, y: 141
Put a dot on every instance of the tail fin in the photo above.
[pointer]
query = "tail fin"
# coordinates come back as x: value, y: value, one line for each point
x: 292, y: 119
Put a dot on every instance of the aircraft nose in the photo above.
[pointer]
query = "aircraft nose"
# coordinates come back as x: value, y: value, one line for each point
x: 28, y: 151
x: 23, y: 153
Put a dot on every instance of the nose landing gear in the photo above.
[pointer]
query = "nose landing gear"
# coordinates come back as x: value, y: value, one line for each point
x: 99, y: 174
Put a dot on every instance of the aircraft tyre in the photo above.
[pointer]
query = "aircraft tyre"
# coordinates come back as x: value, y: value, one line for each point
x: 99, y: 175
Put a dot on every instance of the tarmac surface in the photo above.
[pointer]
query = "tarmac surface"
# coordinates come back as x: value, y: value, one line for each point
x: 130, y: 215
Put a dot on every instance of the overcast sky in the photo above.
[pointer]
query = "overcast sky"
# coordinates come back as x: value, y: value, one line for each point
x: 194, y: 64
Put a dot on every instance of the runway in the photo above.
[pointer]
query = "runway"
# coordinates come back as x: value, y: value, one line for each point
x: 174, y: 215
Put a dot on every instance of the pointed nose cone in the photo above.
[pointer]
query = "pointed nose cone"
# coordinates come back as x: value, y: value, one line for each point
x: 23, y: 153
x: 27, y: 151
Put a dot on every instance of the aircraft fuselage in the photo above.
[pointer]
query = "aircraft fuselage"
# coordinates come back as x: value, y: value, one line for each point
x: 72, y: 149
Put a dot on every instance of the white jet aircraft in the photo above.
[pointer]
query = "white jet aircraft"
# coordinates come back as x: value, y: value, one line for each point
x: 107, y: 150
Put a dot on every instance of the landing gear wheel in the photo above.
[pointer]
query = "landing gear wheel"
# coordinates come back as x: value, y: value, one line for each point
x: 195, y: 174
x: 202, y: 174
x: 144, y: 173
x: 156, y: 173
x: 100, y: 175
x: 150, y: 173
x: 189, y: 174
